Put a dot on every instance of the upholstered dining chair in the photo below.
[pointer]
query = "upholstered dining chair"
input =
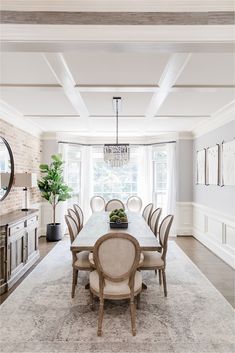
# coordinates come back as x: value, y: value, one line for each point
x: 134, y: 204
x: 116, y: 257
x: 147, y: 212
x: 80, y: 261
x: 153, y: 260
x: 154, y: 220
x: 75, y: 217
x: 79, y: 213
x: 97, y: 204
x: 113, y: 204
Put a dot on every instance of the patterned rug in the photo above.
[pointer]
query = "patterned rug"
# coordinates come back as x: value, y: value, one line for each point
x: 40, y: 315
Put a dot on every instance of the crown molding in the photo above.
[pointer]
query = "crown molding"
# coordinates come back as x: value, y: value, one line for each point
x: 219, y: 118
x: 120, y: 5
x: 101, y: 139
x: 49, y: 135
x: 185, y: 135
x: 15, y: 118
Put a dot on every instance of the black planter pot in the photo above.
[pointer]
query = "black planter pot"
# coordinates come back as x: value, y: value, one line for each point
x: 54, y: 232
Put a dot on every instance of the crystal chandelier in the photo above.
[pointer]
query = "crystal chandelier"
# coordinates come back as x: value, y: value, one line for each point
x: 118, y: 154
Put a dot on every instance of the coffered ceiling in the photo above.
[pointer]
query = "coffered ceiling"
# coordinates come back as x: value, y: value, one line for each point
x: 172, y: 62
x: 161, y: 92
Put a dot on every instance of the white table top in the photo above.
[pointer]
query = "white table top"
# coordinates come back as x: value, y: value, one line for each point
x: 98, y: 225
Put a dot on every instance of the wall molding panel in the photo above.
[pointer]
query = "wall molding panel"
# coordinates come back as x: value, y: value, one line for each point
x: 184, y: 218
x: 216, y: 231
x: 213, y: 229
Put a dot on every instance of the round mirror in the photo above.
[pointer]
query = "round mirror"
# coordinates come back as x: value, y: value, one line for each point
x: 6, y: 168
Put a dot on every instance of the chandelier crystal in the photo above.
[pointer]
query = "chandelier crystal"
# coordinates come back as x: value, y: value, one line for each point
x: 118, y: 154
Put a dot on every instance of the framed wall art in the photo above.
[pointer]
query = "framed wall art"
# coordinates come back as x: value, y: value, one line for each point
x: 201, y: 167
x: 212, y: 165
x: 228, y: 163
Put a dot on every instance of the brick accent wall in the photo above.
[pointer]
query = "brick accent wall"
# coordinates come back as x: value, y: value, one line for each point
x: 26, y: 151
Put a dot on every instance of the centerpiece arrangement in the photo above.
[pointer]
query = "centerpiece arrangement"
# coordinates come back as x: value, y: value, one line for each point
x: 118, y: 219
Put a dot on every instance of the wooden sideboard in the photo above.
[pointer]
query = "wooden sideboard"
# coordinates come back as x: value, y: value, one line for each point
x: 18, y: 246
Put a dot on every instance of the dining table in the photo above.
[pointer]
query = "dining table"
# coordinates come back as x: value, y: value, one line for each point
x: 98, y: 225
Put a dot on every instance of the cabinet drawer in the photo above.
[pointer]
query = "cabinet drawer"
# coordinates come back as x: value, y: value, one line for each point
x: 16, y: 228
x: 31, y: 220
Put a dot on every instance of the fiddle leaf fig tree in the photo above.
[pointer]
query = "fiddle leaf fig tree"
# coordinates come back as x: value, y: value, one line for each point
x: 52, y: 186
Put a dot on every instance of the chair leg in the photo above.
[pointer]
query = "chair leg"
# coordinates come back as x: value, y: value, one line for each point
x: 164, y: 282
x: 138, y: 301
x: 132, y: 306
x: 101, y: 315
x: 92, y: 301
x: 160, y: 276
x: 75, y: 277
x: 156, y: 272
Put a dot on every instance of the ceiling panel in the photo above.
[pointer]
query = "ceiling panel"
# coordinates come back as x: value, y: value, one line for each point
x: 38, y: 101
x: 175, y: 124
x: 101, y: 104
x: 209, y: 69
x: 195, y: 103
x: 25, y: 68
x: 60, y: 124
x: 116, y: 68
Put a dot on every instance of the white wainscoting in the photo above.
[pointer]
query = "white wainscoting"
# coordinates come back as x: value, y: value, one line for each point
x: 184, y: 218
x: 213, y: 229
x: 216, y: 231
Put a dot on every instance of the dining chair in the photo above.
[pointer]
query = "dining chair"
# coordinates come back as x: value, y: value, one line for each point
x: 75, y: 217
x: 134, y: 204
x: 116, y: 276
x: 153, y: 260
x: 97, y: 204
x: 154, y: 220
x: 147, y: 212
x: 80, y: 261
x: 114, y: 204
x: 79, y: 213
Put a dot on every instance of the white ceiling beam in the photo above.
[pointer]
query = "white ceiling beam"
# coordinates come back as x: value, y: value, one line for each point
x: 120, y: 5
x: 200, y: 88
x: 172, y: 71
x: 118, y: 88
x: 94, y: 88
x: 172, y: 37
x: 60, y: 69
x: 170, y: 117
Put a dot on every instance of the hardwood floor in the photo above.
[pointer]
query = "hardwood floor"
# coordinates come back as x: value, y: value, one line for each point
x: 44, y: 248
x: 218, y: 272
x: 221, y: 275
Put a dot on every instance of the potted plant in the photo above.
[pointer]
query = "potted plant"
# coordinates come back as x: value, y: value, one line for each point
x: 118, y: 219
x: 53, y: 189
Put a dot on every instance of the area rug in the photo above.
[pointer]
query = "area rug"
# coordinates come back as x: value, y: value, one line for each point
x: 40, y: 315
